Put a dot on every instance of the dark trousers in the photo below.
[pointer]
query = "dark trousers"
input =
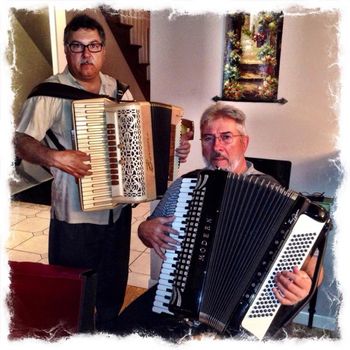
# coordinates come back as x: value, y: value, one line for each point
x: 139, y: 318
x: 103, y: 248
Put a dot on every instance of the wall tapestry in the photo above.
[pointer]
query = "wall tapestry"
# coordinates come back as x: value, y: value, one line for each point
x: 252, y: 57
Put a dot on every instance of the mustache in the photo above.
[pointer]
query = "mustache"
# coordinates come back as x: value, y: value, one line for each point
x: 216, y: 154
x: 208, y: 160
x: 86, y: 61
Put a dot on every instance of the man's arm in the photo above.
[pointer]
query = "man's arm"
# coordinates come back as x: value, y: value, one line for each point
x: 69, y: 161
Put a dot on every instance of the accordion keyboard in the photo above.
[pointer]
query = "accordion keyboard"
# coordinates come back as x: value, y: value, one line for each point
x: 118, y: 138
x: 166, y: 278
x: 91, y: 134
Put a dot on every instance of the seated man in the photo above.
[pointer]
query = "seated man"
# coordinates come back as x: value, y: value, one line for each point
x: 224, y: 143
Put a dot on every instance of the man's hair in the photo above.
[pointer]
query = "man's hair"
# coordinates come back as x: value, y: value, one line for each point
x: 226, y: 110
x: 86, y: 22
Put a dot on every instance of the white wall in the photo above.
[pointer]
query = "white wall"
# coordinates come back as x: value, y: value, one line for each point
x: 186, y: 70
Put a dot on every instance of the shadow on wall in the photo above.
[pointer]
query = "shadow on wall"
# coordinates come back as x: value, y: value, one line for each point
x: 317, y: 174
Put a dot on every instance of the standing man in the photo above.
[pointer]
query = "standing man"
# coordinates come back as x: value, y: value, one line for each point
x: 99, y: 240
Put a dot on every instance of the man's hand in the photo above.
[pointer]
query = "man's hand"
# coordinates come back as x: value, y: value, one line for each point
x: 155, y: 233
x: 184, y: 149
x: 292, y: 286
x: 72, y: 162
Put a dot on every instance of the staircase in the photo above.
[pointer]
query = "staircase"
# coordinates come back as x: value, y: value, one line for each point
x: 131, y: 31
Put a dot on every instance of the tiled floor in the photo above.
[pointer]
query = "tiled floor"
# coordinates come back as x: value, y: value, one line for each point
x: 28, y: 239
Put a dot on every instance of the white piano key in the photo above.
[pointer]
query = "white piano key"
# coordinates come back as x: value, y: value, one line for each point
x: 163, y: 296
x: 159, y: 303
x: 168, y: 265
x: 163, y: 287
x: 167, y: 283
x: 164, y: 291
x: 160, y: 310
x: 166, y: 276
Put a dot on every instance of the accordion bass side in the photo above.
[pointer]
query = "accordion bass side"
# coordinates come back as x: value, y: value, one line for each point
x: 236, y: 233
x: 121, y: 141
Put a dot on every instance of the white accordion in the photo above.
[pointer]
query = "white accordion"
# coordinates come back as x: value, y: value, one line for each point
x: 131, y: 147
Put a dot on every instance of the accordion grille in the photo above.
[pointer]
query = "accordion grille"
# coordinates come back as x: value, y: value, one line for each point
x: 131, y: 152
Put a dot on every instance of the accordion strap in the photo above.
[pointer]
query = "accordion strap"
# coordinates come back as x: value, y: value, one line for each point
x: 73, y: 93
x: 70, y: 92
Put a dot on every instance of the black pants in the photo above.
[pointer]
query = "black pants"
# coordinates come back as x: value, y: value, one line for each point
x: 139, y: 318
x: 103, y: 248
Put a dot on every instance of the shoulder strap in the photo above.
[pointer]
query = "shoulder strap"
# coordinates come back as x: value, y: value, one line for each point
x: 62, y: 91
x: 72, y: 93
x: 54, y: 139
x: 121, y: 89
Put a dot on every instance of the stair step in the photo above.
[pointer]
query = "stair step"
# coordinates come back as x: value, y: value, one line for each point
x: 121, y: 32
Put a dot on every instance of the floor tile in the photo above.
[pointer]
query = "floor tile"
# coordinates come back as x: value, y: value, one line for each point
x: 32, y: 224
x: 16, y: 255
x: 17, y: 237
x: 141, y: 264
x: 16, y: 218
x: 138, y: 280
x: 25, y: 210
x: 141, y: 210
x: 37, y: 245
x: 136, y: 243
x: 134, y: 254
x: 45, y: 214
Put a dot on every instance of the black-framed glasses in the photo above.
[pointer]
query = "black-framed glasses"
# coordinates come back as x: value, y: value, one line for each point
x: 225, y: 137
x: 77, y: 47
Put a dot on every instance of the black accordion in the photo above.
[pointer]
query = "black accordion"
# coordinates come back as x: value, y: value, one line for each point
x: 236, y: 233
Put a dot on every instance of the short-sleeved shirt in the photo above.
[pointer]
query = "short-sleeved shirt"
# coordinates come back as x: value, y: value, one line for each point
x: 40, y: 113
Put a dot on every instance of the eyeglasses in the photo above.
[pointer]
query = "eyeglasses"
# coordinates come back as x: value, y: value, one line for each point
x: 77, y: 47
x: 225, y: 138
